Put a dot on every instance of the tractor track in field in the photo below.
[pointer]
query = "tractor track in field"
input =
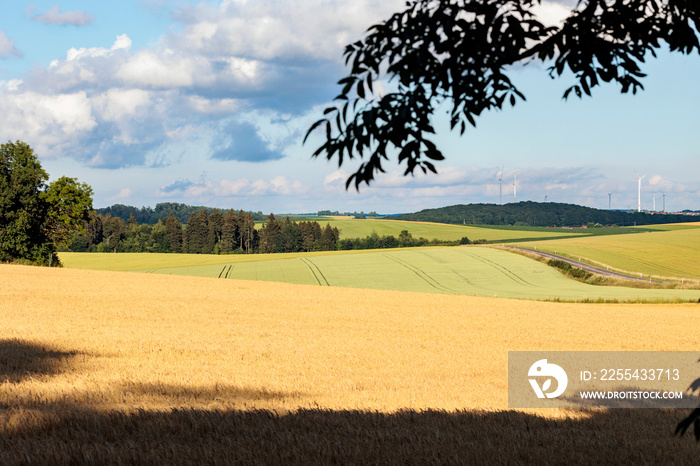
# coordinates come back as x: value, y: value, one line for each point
x: 224, y: 272
x: 504, y: 270
x: 424, y: 276
x: 315, y: 271
x: 588, y: 267
x: 460, y: 273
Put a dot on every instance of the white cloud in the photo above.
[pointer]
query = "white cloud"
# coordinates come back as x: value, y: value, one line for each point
x: 336, y: 178
x: 552, y: 13
x: 7, y: 47
x: 159, y: 70
x: 63, y: 18
x: 233, y: 187
x: 116, y: 104
x: 113, y: 106
x: 123, y: 42
x: 280, y: 30
x: 241, y: 187
x: 50, y: 121
x: 206, y: 106
x: 123, y: 194
x: 656, y: 179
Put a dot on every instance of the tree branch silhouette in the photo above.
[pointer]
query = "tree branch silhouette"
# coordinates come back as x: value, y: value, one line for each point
x: 457, y: 52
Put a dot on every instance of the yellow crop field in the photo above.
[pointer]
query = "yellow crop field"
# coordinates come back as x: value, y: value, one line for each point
x: 113, y: 367
x: 672, y: 253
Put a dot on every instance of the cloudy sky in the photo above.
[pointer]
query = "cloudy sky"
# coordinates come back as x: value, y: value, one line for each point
x: 206, y: 103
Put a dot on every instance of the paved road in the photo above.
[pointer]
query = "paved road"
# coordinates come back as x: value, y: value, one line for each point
x: 588, y: 267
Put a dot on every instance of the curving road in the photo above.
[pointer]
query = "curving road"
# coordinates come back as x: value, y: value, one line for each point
x: 587, y: 267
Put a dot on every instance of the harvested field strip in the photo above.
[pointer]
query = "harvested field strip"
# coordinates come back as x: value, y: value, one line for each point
x: 111, y: 367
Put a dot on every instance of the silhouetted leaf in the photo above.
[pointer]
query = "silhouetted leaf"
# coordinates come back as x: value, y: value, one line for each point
x: 436, y: 54
x: 313, y: 127
x: 693, y: 418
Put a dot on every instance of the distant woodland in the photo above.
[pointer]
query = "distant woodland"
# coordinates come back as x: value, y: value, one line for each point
x: 541, y: 214
x: 151, y: 216
x: 211, y: 231
x: 205, y: 232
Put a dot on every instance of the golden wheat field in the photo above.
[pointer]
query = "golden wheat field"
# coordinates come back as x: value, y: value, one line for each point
x: 117, y: 368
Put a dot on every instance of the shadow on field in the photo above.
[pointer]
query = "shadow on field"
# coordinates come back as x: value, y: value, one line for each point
x: 20, y: 360
x: 109, y: 428
x: 324, y: 437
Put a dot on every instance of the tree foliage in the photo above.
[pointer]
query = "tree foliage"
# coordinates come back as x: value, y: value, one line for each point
x: 151, y: 215
x: 238, y: 235
x: 34, y: 216
x: 457, y: 53
x: 71, y: 204
x: 22, y: 212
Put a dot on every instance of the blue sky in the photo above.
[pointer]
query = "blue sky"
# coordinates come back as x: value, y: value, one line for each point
x: 206, y: 103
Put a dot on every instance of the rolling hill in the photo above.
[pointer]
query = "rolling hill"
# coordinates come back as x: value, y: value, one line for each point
x: 541, y: 214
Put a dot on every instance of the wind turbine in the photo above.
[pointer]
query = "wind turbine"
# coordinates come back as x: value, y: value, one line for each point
x: 500, y: 187
x: 515, y: 187
x: 545, y: 196
x: 653, y: 202
x: 610, y: 201
x: 639, y: 191
x: 664, y: 194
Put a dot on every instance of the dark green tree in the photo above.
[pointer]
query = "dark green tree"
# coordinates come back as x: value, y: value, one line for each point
x: 405, y: 239
x: 70, y: 204
x: 173, y: 233
x: 457, y: 52
x: 268, y: 235
x: 289, y: 239
x: 197, y: 231
x: 114, y: 232
x: 93, y: 229
x: 241, y: 229
x: 216, y: 225
x: 249, y: 236
x: 34, y: 216
x: 329, y: 238
x: 157, y: 241
x: 22, y: 212
x: 229, y: 232
x: 309, y: 235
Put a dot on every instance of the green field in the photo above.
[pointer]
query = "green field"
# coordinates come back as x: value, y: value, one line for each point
x: 351, y: 228
x: 136, y: 261
x: 354, y: 228
x: 448, y: 270
x: 671, y: 253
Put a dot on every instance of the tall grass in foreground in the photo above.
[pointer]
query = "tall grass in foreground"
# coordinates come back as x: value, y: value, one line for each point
x: 109, y: 367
